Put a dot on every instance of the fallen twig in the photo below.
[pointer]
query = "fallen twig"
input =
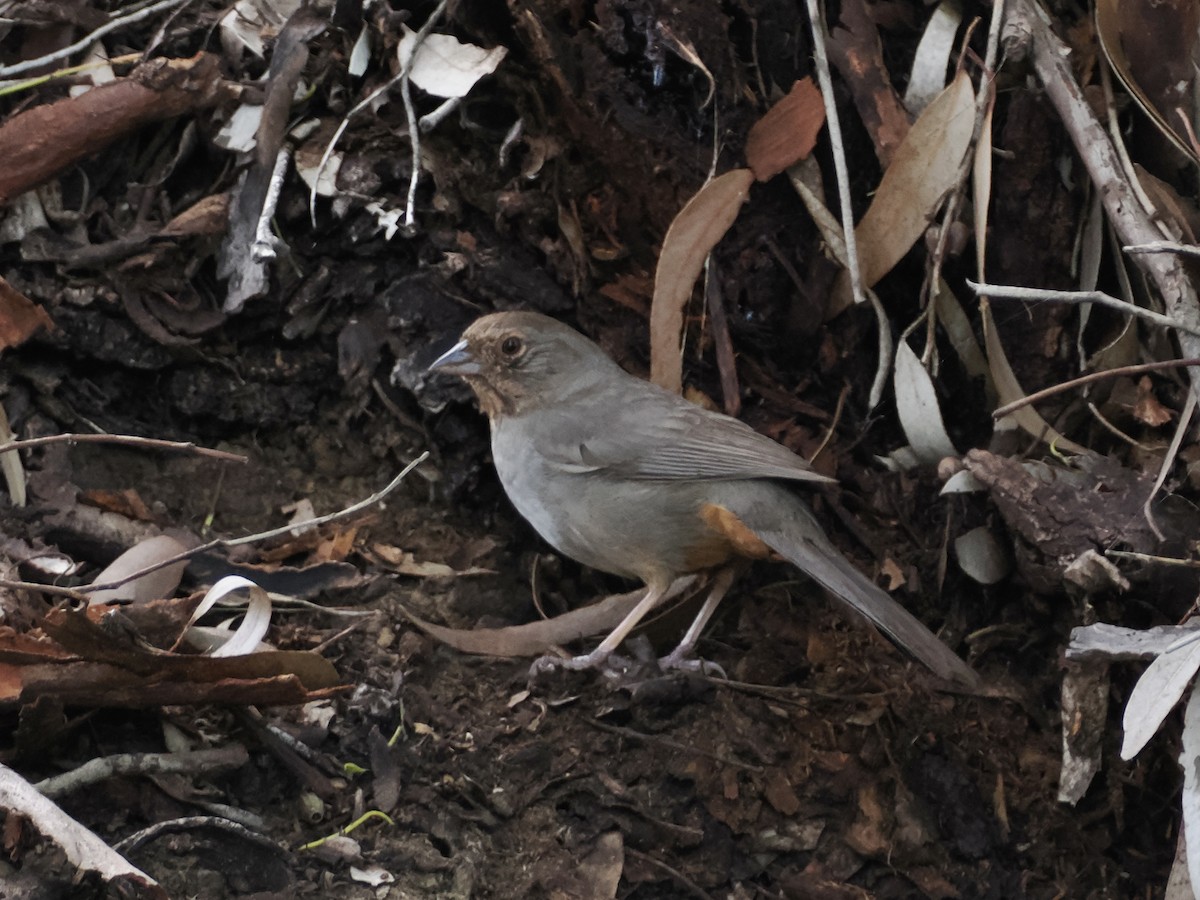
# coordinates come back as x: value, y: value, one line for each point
x: 192, y: 762
x: 40, y: 142
x: 88, y: 39
x: 1083, y: 380
x: 129, y: 440
x: 21, y: 801
x: 191, y: 823
x: 264, y: 535
x: 816, y: 21
x: 1163, y: 247
x: 1008, y: 292
x: 83, y: 590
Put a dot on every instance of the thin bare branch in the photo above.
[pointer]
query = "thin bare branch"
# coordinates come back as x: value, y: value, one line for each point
x: 88, y: 39
x: 128, y: 440
x: 1083, y: 380
x: 1009, y: 292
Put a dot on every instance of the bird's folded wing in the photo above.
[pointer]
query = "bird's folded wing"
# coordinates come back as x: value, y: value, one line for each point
x: 659, y: 437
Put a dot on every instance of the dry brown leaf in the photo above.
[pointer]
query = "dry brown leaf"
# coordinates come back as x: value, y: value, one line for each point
x: 207, y: 216
x: 633, y: 291
x: 406, y: 563
x: 857, y: 52
x: 90, y: 641
x: 891, y: 570
x: 538, y: 637
x: 1147, y: 409
x: 128, y: 503
x: 20, y: 317
x: 535, y: 637
x: 105, y: 668
x: 337, y: 546
x: 1176, y: 210
x: 922, y: 172
x: 779, y: 792
x: 788, y: 131
x: 693, y: 234
x: 1109, y: 28
x: 869, y: 835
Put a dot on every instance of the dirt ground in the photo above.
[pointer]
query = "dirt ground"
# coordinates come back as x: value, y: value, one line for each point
x: 825, y: 766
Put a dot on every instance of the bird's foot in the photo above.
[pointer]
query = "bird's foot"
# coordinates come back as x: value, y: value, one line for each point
x: 681, y: 660
x: 608, y: 664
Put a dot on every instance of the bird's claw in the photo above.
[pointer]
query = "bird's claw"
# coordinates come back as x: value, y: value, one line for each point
x: 679, y: 662
x: 621, y: 670
x: 608, y: 664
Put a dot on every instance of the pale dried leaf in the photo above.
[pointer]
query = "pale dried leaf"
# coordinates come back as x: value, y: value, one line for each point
x: 600, y: 870
x: 360, y: 54
x: 322, y: 180
x: 963, y: 482
x: 805, y: 177
x: 686, y: 51
x: 406, y: 563
x: 444, y: 66
x: 10, y: 463
x: 1112, y: 643
x: 250, y: 21
x: 1179, y: 883
x: 1189, y: 760
x: 962, y: 335
x: 372, y: 875
x: 240, y: 133
x: 153, y: 586
x: 255, y: 622
x: 1157, y: 692
x: 902, y: 459
x: 981, y: 186
x: 917, y: 406
x: 96, y: 69
x: 928, y: 74
x: 981, y: 556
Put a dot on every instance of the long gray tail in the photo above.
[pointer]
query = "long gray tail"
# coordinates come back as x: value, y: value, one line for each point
x: 789, y: 528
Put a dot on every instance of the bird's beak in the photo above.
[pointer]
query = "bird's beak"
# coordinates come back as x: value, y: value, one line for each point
x: 456, y: 361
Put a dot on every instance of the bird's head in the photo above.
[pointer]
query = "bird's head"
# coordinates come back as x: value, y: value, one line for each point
x: 517, y: 360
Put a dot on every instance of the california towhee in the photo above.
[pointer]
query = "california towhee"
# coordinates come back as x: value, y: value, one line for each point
x: 631, y: 479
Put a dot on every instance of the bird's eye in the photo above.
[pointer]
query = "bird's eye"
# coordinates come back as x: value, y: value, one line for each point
x: 511, y: 346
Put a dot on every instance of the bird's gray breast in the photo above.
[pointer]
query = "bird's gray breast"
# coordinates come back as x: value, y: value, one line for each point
x: 610, y: 524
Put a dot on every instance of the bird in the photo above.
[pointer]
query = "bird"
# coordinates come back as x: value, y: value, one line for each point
x: 630, y: 479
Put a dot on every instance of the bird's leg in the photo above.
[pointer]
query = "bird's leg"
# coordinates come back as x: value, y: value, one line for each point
x: 681, y: 656
x: 598, y: 657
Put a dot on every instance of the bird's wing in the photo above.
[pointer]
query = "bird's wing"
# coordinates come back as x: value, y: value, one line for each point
x: 652, y: 435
